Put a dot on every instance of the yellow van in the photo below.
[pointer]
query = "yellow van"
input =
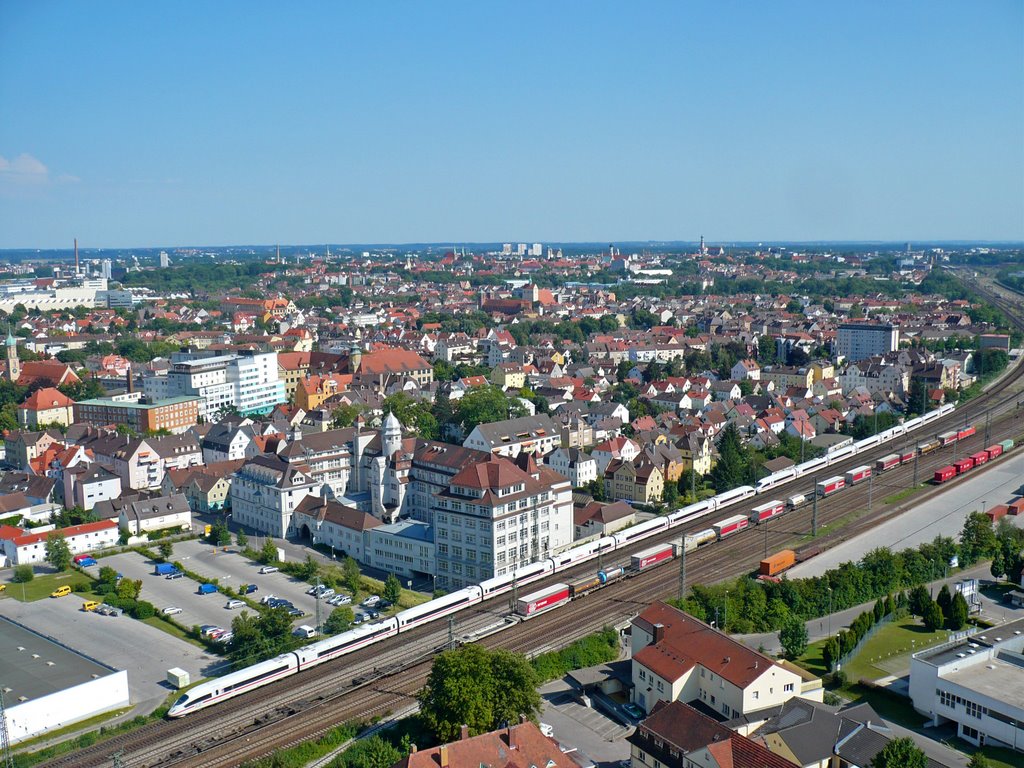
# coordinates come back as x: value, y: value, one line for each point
x: 90, y: 605
x: 61, y: 591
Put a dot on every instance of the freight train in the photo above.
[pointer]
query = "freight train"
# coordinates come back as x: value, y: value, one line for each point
x: 241, y: 681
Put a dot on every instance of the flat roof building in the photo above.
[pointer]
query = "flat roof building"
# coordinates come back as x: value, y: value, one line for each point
x: 859, y: 341
x: 175, y: 414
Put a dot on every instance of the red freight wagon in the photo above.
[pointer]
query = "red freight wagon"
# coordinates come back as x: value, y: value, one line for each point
x: 767, y: 511
x: 964, y: 433
x: 830, y: 486
x: 652, y: 556
x: 979, y: 458
x: 994, y: 451
x: 908, y: 457
x: 888, y: 462
x: 963, y: 465
x: 857, y: 474
x: 547, y: 598
x: 730, y: 525
x: 944, y: 474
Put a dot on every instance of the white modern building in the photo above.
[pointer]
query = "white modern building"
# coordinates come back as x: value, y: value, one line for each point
x: 265, y: 493
x: 405, y: 548
x: 859, y: 341
x: 977, y: 683
x: 247, y: 382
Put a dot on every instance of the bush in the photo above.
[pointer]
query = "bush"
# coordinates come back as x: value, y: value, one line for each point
x: 81, y: 586
x: 839, y: 678
x: 143, y: 610
x: 23, y: 574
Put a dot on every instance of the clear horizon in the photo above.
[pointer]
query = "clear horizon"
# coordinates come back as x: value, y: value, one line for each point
x: 240, y: 123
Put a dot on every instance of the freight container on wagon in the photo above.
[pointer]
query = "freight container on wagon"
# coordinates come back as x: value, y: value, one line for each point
x: 544, y: 599
x: 979, y: 458
x: 994, y: 451
x: 777, y: 563
x: 693, y: 540
x: 931, y: 445
x: 947, y: 438
x: 857, y: 474
x: 584, y: 585
x: 907, y: 456
x: 830, y: 486
x: 963, y: 465
x: 610, y: 574
x: 944, y: 474
x: 767, y: 511
x: 795, y: 501
x: 652, y: 556
x: 888, y: 462
x: 1007, y: 445
x: 730, y: 525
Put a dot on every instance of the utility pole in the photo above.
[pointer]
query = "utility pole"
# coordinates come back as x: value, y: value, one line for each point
x: 451, y: 632
x: 814, y: 514
x: 682, y: 569
x: 871, y: 482
x: 766, y: 538
x: 988, y: 423
x: 917, y: 455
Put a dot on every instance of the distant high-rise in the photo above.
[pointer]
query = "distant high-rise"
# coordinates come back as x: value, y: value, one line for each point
x: 537, y: 249
x: 506, y: 249
x: 165, y: 260
x: 521, y: 249
x: 859, y: 341
x: 106, y: 268
x: 77, y: 270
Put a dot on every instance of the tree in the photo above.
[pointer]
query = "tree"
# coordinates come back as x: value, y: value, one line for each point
x: 373, y: 752
x: 977, y: 539
x: 242, y: 540
x: 958, y: 611
x: 166, y: 549
x: 730, y: 470
x: 108, y: 575
x: 978, y: 760
x: 933, y: 618
x: 268, y: 552
x: 486, y: 404
x: 345, y: 415
x: 831, y: 653
x: 944, y: 599
x: 129, y: 589
x: 23, y: 574
x: 392, y: 589
x: 479, y: 688
x: 596, y: 489
x: 900, y: 753
x: 414, y: 414
x: 58, y: 553
x: 309, y: 570
x: 919, y: 599
x: 219, y: 536
x: 341, y: 618
x: 351, y: 577
x: 793, y: 637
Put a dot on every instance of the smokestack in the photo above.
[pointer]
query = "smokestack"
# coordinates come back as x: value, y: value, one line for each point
x: 76, y: 256
x: 131, y: 382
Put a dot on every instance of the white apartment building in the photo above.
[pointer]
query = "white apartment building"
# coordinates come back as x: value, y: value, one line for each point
x: 977, y: 683
x: 538, y: 435
x: 23, y: 547
x: 498, y: 515
x: 573, y: 464
x: 859, y: 341
x: 405, y: 548
x: 265, y: 493
x: 247, y: 382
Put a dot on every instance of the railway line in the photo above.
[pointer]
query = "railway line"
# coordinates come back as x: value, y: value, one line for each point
x: 308, y: 704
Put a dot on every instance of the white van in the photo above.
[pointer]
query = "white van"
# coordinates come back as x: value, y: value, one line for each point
x: 304, y: 630
x: 268, y: 569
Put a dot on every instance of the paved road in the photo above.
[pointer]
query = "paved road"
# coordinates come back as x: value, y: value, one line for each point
x: 818, y: 629
x: 942, y: 515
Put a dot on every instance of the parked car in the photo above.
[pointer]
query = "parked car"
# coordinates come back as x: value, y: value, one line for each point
x: 248, y: 589
x: 327, y: 593
x: 371, y: 601
x: 265, y: 600
x: 85, y: 562
x: 226, y: 637
x: 61, y: 591
x: 269, y: 569
x: 342, y: 599
x: 170, y: 610
x: 174, y: 575
x: 294, y: 612
x: 232, y: 604
x: 108, y: 610
x: 315, y: 589
x: 337, y: 600
x: 206, y: 629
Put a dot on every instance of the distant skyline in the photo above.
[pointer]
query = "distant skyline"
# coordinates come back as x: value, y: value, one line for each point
x: 135, y: 125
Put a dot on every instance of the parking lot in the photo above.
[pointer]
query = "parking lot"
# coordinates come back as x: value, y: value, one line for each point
x: 163, y: 592
x: 122, y: 643
x: 591, y: 731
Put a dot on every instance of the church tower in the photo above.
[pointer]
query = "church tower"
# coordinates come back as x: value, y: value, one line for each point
x: 13, y: 363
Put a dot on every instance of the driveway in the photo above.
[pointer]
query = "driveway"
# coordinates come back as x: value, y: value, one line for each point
x: 589, y: 730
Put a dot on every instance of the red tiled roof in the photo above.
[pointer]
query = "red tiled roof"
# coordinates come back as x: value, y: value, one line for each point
x: 24, y: 540
x: 47, y: 398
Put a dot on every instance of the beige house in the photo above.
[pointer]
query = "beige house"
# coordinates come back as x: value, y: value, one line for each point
x: 46, y: 407
x: 638, y: 480
x: 508, y: 376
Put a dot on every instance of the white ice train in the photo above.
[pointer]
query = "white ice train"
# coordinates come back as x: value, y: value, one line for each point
x: 244, y: 680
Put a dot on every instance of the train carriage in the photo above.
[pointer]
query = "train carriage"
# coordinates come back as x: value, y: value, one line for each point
x: 887, y: 462
x: 731, y: 525
x: 542, y: 600
x: 767, y: 511
x: 830, y: 485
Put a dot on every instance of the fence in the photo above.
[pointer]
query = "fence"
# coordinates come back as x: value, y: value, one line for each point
x: 842, y: 661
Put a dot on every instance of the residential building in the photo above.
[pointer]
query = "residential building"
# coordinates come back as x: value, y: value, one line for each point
x: 142, y: 462
x: 246, y: 382
x: 385, y: 366
x: 53, y: 372
x: 675, y: 735
x: 639, y: 480
x: 21, y: 448
x: 977, y: 684
x: 173, y: 414
x: 858, y: 341
x: 515, y: 746
x: 229, y: 442
x: 156, y: 514
x: 315, y: 391
x: 746, y: 369
x: 622, y: 448
x: 498, y: 515
x: 575, y: 465
x: 679, y: 658
x: 509, y: 376
x: 24, y: 547
x: 87, y: 484
x: 292, y: 367
x: 266, y: 491
x: 600, y: 519
x: 786, y: 376
x: 46, y: 407
x: 538, y: 435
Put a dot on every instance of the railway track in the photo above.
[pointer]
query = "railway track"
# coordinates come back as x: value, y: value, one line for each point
x: 306, y: 706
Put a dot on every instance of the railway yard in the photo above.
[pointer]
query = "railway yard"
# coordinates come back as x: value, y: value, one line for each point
x: 384, y: 677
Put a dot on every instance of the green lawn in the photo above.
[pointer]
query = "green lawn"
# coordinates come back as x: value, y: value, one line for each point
x: 812, y: 659
x: 42, y: 585
x: 888, y: 652
x: 997, y: 756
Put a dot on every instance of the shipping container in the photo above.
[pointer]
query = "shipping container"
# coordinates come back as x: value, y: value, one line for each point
x: 994, y: 451
x: 1007, y: 445
x: 907, y: 457
x: 998, y: 512
x: 858, y: 474
x: 830, y: 486
x: 584, y: 585
x: 777, y: 563
x: 932, y: 445
x: 979, y: 458
x: 966, y: 432
x: 730, y: 525
x: 963, y: 465
x: 610, y: 574
x: 888, y: 462
x: 545, y: 599
x: 795, y: 501
x: 948, y: 438
x: 766, y: 511
x: 693, y: 540
x: 944, y: 474
x: 652, y: 556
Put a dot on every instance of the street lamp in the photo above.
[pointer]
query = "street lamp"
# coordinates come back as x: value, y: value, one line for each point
x: 829, y: 611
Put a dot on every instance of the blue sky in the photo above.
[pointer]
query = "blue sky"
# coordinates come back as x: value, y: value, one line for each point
x: 145, y: 124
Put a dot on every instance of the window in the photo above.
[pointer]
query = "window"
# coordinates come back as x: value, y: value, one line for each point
x: 755, y: 695
x: 788, y: 687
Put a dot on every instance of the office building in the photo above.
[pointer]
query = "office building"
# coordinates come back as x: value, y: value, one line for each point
x: 175, y: 414
x: 859, y: 341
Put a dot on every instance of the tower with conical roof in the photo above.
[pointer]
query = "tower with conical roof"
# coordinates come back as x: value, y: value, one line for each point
x: 391, y: 435
x: 13, y: 363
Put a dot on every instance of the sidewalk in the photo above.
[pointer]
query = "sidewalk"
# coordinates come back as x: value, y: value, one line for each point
x: 819, y: 629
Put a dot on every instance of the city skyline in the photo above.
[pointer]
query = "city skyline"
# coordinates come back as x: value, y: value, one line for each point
x: 406, y: 125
